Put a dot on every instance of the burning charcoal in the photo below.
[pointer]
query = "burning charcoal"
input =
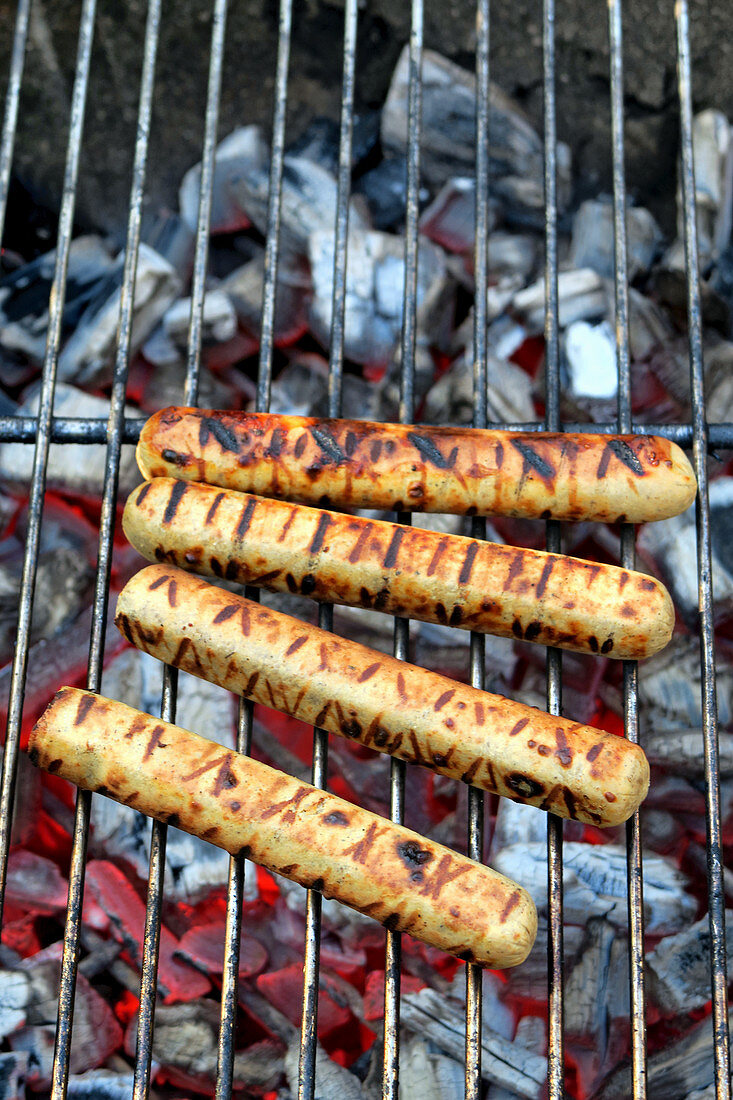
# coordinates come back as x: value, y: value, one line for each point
x: 681, y: 751
x: 90, y: 351
x: 165, y: 385
x: 679, y: 968
x: 384, y: 189
x: 15, y: 996
x: 505, y: 1063
x: 582, y: 296
x: 219, y: 320
x: 712, y: 142
x: 36, y: 883
x: 24, y: 295
x: 592, y: 243
x: 284, y: 989
x: 244, y: 287
x: 597, y: 987
x: 508, y: 394
x: 595, y: 884
x: 530, y: 979
x: 13, y: 1070
x: 531, y: 1034
x: 185, y: 1047
x: 203, y: 947
x: 428, y: 1074
x: 590, y: 351
x: 334, y: 1081
x: 649, y: 327
x: 75, y: 468
x: 448, y: 146
x: 450, y: 219
x: 101, y: 1084
x: 64, y: 585
x: 672, y: 546
x: 374, y: 287
x: 242, y: 152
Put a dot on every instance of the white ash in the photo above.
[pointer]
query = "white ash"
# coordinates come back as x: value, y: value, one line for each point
x: 597, y: 986
x: 712, y: 143
x: 301, y: 389
x: 593, y: 235
x: 242, y: 152
x: 101, y: 1084
x: 508, y: 393
x: 679, y: 967
x: 590, y: 351
x: 531, y: 1033
x: 89, y: 353
x: 76, y: 468
x: 219, y: 320
x: 64, y: 586
x: 582, y: 296
x: 595, y: 884
x: 427, y: 1073
x: 517, y: 823
x: 682, y: 751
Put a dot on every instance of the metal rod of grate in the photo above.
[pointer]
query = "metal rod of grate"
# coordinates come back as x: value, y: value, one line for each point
x: 45, y: 429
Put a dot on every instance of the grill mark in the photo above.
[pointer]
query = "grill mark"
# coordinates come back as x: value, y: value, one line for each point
x: 336, y: 817
x: 369, y: 672
x: 288, y: 524
x: 317, y: 541
x: 300, y: 445
x: 441, y: 876
x: 516, y: 567
x: 154, y: 742
x: 224, y: 436
x: 390, y: 558
x: 533, y: 460
x: 207, y: 767
x: 499, y: 455
x: 443, y: 699
x: 245, y: 624
x: 623, y: 580
x: 479, y: 711
x: 563, y: 752
x: 177, y: 492
x: 173, y: 593
x: 518, y: 727
x: 594, y: 752
x: 295, y: 646
x: 470, y: 774
x: 524, y: 786
x: 328, y: 445
x: 143, y: 492
x: 251, y: 683
x: 225, y: 779
x: 465, y: 573
x: 401, y: 687
x: 360, y: 850
x: 625, y: 454
x: 318, y: 720
x: 603, y: 464
x: 85, y: 705
x: 212, y: 510
x: 569, y: 801
x: 174, y: 457
x: 512, y: 903
x: 359, y: 544
x: 428, y: 450
x: 123, y: 623
x: 544, y: 578
x: 323, y: 650
x: 184, y: 645
x: 439, y: 549
x: 226, y: 613
x: 245, y: 519
x: 277, y: 440
x: 137, y: 727
x: 491, y: 774
x: 158, y: 581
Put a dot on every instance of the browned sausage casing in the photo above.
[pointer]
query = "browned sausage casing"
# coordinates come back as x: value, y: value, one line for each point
x: 354, y: 463
x: 393, y: 707
x: 403, y: 880
x: 544, y: 598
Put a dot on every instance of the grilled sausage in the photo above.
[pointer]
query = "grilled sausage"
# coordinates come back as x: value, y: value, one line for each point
x: 403, y: 880
x: 354, y: 463
x: 407, y: 571
x: 393, y: 707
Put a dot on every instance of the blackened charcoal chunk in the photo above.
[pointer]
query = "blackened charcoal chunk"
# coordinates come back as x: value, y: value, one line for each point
x: 319, y: 142
x: 385, y: 191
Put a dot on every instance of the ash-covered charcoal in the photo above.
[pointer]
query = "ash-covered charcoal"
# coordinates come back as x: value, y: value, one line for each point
x: 64, y: 586
x: 172, y: 238
x: 244, y: 152
x: 668, y: 283
x: 450, y: 219
x: 165, y: 384
x: 595, y: 884
x: 531, y: 1033
x: 597, y: 992
x: 679, y: 967
x: 89, y: 353
x: 649, y: 327
x: 448, y: 146
x: 319, y: 142
x: 384, y: 189
x: 426, y: 1073
x: 301, y: 389
x: 510, y: 1064
x: 374, y: 290
x: 219, y: 320
x: 682, y: 752
x: 508, y: 393
x: 712, y: 143
x: 590, y: 353
x: 308, y: 202
x: 530, y: 979
x: 25, y: 293
x: 244, y: 287
x: 75, y: 468
x: 513, y: 254
x: 185, y: 1048
x: 101, y: 1084
x: 35, y: 883
x: 671, y: 545
x: 203, y: 947
x: 582, y: 296
x: 193, y: 867
x: 592, y: 239
x: 517, y: 824
x: 13, y: 1071
x: 719, y: 382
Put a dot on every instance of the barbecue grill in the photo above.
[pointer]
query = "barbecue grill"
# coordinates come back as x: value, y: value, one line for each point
x: 42, y: 430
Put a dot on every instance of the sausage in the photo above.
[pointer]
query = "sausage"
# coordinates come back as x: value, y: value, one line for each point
x: 354, y: 463
x: 388, y: 705
x: 393, y: 874
x: 544, y: 598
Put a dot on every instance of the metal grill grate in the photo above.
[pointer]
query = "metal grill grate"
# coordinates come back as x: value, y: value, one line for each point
x: 44, y: 429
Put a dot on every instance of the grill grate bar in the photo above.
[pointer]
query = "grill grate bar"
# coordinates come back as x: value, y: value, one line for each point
x: 716, y: 896
x: 12, y: 98
x: 635, y: 882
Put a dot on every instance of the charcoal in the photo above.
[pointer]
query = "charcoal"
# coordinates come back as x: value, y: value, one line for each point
x: 244, y: 287
x: 582, y: 296
x: 679, y: 967
x: 595, y: 884
x: 712, y: 142
x: 669, y: 286
x: 203, y: 946
x: 508, y: 394
x: 681, y: 751
x: 448, y: 146
x: 512, y: 254
x: 719, y: 382
x: 374, y: 290
x: 88, y: 354
x: 100, y: 1084
x: 590, y: 351
x: 530, y: 979
x: 308, y: 202
x: 74, y: 468
x: 592, y: 241
x: 429, y: 1074
x: 517, y: 823
x: 530, y: 1033
x: 672, y: 545
x: 16, y: 994
x: 431, y: 1016
x: 243, y: 152
x: 450, y: 219
x: 166, y: 385
x: 384, y: 189
x: 35, y: 883
x: 172, y: 238
x: 219, y: 320
x: 13, y: 1070
x: 64, y: 586
x: 649, y: 327
x: 597, y: 987
x: 24, y: 295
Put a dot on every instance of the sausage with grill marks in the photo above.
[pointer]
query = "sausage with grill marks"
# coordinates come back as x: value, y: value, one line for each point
x: 388, y: 705
x: 408, y: 883
x: 545, y: 598
x: 468, y: 471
